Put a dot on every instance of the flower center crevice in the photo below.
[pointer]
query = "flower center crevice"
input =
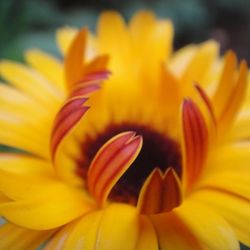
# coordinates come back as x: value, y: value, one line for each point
x: 158, y: 150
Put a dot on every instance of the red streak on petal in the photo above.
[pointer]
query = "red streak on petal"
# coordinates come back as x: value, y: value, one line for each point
x: 172, y: 193
x: 195, y: 140
x: 111, y: 161
x: 150, y: 196
x: 208, y: 103
x: 64, y: 128
x: 67, y: 109
x: 85, y: 90
x: 73, y: 110
x: 160, y: 193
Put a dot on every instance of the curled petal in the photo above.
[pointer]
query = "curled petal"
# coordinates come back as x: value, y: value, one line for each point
x: 111, y: 162
x: 73, y: 110
x: 160, y: 193
x: 195, y: 145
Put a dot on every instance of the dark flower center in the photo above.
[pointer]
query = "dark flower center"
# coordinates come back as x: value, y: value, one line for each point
x: 157, y: 151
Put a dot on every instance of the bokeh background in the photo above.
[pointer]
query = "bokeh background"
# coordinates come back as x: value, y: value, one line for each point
x: 32, y: 23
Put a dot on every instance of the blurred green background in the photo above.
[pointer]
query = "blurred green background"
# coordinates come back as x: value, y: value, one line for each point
x: 32, y: 23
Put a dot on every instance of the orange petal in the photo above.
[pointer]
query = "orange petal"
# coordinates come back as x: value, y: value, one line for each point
x: 237, y: 96
x: 110, y: 163
x: 225, y: 86
x: 160, y: 193
x: 195, y: 144
x: 74, y: 60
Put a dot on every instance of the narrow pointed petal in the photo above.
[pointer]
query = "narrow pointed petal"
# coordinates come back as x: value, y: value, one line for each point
x: 150, y: 197
x: 172, y: 191
x: 195, y: 144
x: 111, y: 162
x: 15, y: 237
x: 225, y: 85
x: 74, y: 60
x: 236, y: 97
x: 64, y: 37
x: 160, y: 193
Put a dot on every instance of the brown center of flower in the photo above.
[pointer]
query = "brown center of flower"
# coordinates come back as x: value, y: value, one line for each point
x: 157, y: 151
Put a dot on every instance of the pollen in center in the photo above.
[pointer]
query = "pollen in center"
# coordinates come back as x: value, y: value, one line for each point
x: 157, y: 151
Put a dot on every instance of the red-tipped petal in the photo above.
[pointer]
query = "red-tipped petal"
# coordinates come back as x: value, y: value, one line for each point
x: 73, y: 110
x: 74, y: 58
x: 160, y: 193
x: 172, y: 192
x: 150, y: 197
x: 195, y: 141
x: 64, y: 127
x: 111, y: 162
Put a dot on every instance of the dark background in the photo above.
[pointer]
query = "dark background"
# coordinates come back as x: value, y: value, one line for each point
x: 31, y: 23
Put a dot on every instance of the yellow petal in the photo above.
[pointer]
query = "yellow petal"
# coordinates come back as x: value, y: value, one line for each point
x: 57, y: 241
x: 40, y: 200
x: 48, y: 66
x: 212, y: 231
x: 201, y: 63
x: 118, y: 228
x: 65, y: 37
x: 84, y: 234
x: 24, y: 176
x: 240, y: 130
x: 147, y: 239
x: 15, y: 132
x: 113, y: 39
x: 31, y: 82
x: 173, y: 233
x: 59, y: 208
x: 181, y: 59
x: 15, y: 237
x: 233, y: 208
x: 232, y: 181
x: 226, y: 158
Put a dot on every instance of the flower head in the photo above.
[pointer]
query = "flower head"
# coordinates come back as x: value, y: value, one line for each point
x: 125, y: 143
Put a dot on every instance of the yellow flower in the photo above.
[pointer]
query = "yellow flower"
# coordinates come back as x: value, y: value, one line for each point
x: 153, y: 156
